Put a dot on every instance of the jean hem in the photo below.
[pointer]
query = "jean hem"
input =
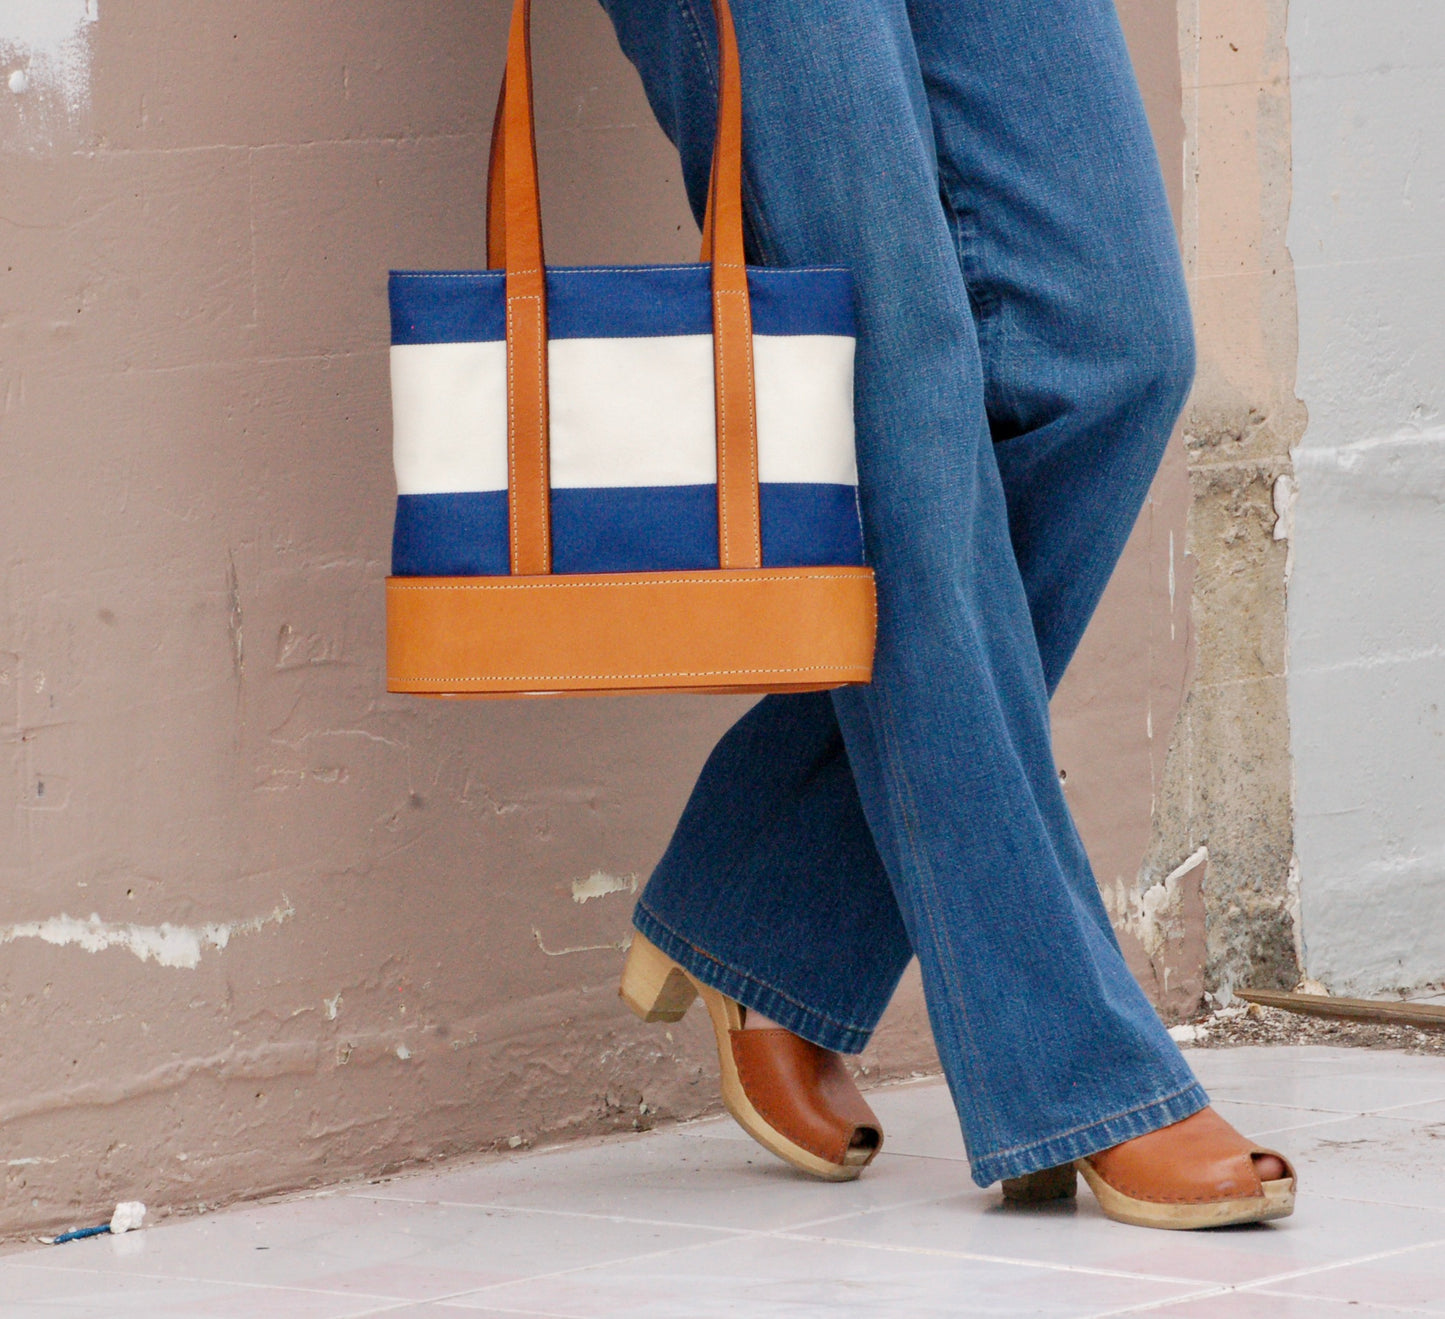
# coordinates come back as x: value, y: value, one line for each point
x: 1080, y: 1142
x: 752, y: 993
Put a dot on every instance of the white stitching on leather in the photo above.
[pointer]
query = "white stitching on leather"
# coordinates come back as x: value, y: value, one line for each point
x: 851, y: 666
x: 408, y: 584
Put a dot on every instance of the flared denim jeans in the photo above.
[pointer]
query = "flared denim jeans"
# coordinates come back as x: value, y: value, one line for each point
x: 1024, y: 347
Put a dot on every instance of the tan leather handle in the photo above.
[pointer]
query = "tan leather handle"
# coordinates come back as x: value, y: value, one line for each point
x: 514, y: 243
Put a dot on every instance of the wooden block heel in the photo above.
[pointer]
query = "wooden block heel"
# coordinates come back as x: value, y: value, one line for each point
x: 653, y: 985
x: 1047, y: 1184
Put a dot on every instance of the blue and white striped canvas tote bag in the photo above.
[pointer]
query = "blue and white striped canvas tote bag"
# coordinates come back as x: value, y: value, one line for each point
x: 623, y: 478
x: 633, y: 440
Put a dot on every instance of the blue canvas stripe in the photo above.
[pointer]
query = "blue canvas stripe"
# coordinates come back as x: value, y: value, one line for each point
x: 634, y: 529
x: 451, y: 535
x: 808, y: 526
x: 624, y: 529
x: 626, y: 302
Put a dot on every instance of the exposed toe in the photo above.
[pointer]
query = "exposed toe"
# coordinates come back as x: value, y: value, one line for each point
x: 1270, y: 1167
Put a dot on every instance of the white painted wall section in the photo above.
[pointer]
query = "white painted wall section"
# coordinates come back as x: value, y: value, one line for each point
x: 1367, y: 592
x: 45, y: 72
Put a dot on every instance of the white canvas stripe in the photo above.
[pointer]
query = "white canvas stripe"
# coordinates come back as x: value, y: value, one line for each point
x: 625, y: 412
x: 631, y: 412
x: 805, y: 408
x: 449, y: 417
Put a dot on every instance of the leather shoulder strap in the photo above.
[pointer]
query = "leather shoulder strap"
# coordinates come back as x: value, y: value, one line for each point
x: 514, y: 243
x: 740, y: 542
x: 528, y: 465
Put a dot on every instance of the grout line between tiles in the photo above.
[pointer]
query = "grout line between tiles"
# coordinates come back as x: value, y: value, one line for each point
x: 1395, y: 1108
x: 798, y: 1232
x: 73, y: 1269
x: 977, y: 1257
x: 1379, y: 1305
x: 557, y: 1273
x: 1295, y: 1108
x: 1257, y: 1132
x: 499, y: 1207
x: 860, y: 1213
x: 931, y: 1158
x: 462, y: 1310
x: 1379, y: 1204
x: 492, y: 1207
x: 1260, y: 1284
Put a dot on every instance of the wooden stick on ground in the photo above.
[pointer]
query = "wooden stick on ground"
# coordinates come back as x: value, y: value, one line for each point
x: 1423, y: 1016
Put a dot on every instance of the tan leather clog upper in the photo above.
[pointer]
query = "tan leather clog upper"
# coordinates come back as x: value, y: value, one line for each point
x: 804, y: 1091
x: 1200, y: 1160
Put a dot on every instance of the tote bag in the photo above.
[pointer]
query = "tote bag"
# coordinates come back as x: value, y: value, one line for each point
x: 623, y: 479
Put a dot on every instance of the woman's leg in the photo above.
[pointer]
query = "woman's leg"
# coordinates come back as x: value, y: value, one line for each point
x: 771, y: 889
x: 1056, y: 205
x: 1049, y: 1046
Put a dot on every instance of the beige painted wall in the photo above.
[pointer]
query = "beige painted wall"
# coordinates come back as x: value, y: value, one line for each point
x: 262, y: 925
x: 1117, y: 705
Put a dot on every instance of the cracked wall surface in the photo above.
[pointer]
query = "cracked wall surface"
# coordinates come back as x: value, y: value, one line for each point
x: 262, y: 925
x: 1227, y: 783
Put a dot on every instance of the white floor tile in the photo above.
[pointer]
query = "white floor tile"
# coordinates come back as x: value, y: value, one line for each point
x: 1366, y: 1083
x: 1414, y: 1281
x: 1273, y: 1124
x: 357, y: 1247
x: 1076, y: 1235
x: 26, y: 1290
x: 668, y: 1178
x: 765, y: 1276
x: 697, y: 1221
x: 1379, y: 1159
x: 1263, y: 1305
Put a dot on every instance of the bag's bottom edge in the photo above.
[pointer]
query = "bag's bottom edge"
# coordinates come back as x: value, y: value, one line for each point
x: 742, y: 631
x: 750, y: 689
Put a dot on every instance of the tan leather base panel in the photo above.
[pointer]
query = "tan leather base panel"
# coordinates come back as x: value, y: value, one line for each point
x: 753, y: 629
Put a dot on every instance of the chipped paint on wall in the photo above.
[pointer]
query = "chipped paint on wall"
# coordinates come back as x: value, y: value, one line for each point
x: 45, y: 59
x: 1227, y: 781
x: 1166, y: 919
x: 618, y: 945
x: 1284, y: 498
x: 599, y: 884
x: 165, y: 944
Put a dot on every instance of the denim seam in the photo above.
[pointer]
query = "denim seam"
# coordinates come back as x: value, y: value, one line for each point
x: 832, y: 1021
x: 1097, y: 1122
x: 963, y: 1031
x: 1086, y: 1140
x: 709, y: 65
x: 984, y: 303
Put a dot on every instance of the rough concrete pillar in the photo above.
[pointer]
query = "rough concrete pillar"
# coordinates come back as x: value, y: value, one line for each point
x: 1226, y: 790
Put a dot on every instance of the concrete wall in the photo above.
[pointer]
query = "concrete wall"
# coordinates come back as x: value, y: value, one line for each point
x: 1219, y: 856
x: 262, y: 925
x: 1367, y: 592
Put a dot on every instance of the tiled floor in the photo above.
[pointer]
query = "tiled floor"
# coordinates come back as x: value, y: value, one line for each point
x: 695, y: 1222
